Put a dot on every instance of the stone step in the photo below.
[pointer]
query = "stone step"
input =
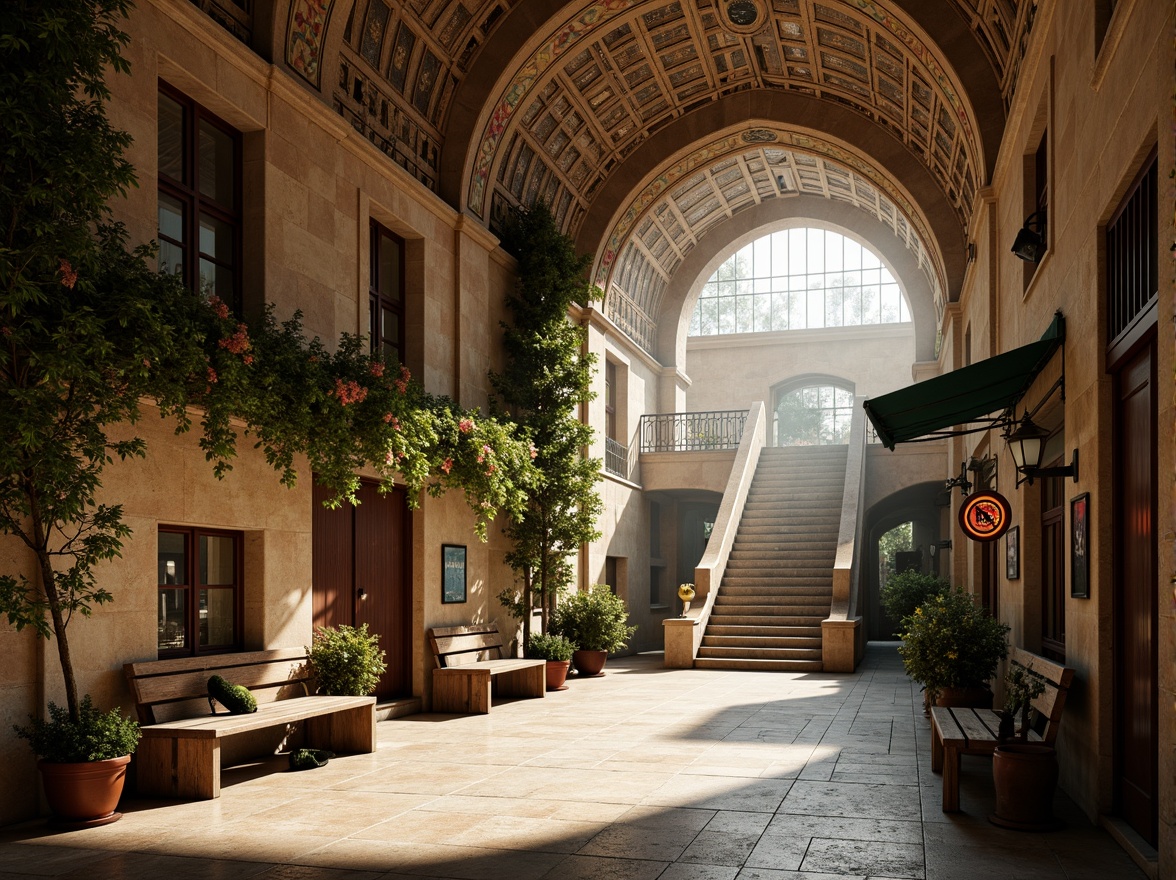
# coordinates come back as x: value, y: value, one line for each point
x: 761, y: 653
x: 749, y: 665
x: 779, y: 588
x: 740, y: 617
x: 800, y: 632
x: 760, y: 643
x: 773, y: 609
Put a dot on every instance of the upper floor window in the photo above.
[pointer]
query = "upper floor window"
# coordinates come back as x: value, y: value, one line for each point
x: 199, y: 604
x: 798, y: 279
x: 386, y: 294
x: 199, y: 198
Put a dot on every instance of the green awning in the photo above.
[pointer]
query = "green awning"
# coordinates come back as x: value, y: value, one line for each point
x: 964, y: 395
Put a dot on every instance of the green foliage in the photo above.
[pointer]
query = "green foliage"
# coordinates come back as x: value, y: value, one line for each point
x: 1022, y: 687
x: 901, y: 537
x: 546, y: 380
x: 88, y: 328
x: 94, y: 736
x: 950, y: 641
x: 309, y: 759
x: 906, y: 591
x: 544, y: 646
x: 234, y: 697
x: 595, y: 620
x: 347, y: 662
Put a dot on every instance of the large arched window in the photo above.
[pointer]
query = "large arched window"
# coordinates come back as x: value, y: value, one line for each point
x: 798, y: 279
x: 816, y: 415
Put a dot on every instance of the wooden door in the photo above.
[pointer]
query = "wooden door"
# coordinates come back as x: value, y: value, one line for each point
x: 1136, y: 633
x: 361, y: 575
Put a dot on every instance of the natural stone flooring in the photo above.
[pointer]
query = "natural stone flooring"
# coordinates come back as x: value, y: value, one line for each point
x: 639, y: 774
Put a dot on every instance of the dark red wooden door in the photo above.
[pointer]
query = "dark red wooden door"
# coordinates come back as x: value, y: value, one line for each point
x: 361, y: 575
x: 1136, y: 669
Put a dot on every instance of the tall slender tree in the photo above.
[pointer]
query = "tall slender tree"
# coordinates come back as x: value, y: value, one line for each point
x: 547, y: 378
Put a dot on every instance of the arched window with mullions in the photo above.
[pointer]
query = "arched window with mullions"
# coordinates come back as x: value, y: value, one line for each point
x: 799, y: 279
x: 814, y: 415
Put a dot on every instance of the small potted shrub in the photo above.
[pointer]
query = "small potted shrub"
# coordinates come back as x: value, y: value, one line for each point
x: 347, y: 661
x: 596, y: 621
x: 557, y: 651
x: 83, y: 763
x: 1024, y: 774
x: 952, y: 647
x: 906, y: 591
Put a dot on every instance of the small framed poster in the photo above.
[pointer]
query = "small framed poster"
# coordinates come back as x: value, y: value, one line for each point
x: 453, y: 573
x: 1013, y: 553
x: 1079, y: 545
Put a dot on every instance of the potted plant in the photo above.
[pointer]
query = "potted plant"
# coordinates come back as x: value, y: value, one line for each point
x: 346, y: 661
x: 596, y: 621
x: 1024, y: 774
x: 557, y: 651
x: 83, y: 762
x: 952, y: 647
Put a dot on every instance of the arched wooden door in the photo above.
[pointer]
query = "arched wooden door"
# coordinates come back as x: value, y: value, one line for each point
x: 361, y: 574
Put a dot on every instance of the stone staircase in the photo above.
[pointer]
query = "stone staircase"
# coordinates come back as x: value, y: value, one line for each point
x: 778, y: 585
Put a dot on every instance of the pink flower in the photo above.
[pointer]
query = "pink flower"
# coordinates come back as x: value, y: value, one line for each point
x: 376, y: 369
x: 238, y: 343
x: 387, y: 418
x: 218, y: 306
x: 402, y: 383
x: 491, y: 470
x: 147, y: 363
x: 68, y: 276
x: 212, y: 377
x: 247, y: 359
x: 447, y: 465
x: 349, y: 392
x: 395, y: 424
x: 465, y: 425
x: 486, y: 449
x: 534, y: 452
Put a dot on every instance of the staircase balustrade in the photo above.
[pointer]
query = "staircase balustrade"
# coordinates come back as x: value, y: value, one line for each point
x: 693, y: 431
x: 683, y: 635
x: 842, y: 634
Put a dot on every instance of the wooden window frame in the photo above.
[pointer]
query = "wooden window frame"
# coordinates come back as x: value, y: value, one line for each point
x: 187, y: 192
x: 1053, y: 580
x: 376, y: 301
x: 1132, y: 261
x: 191, y: 583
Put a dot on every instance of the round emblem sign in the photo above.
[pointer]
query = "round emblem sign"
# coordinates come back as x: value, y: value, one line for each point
x: 984, y: 516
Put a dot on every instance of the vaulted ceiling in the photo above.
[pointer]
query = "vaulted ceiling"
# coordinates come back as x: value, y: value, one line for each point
x: 647, y: 125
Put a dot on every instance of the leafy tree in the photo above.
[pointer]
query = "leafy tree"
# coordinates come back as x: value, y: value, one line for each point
x: 546, y: 379
x: 88, y: 329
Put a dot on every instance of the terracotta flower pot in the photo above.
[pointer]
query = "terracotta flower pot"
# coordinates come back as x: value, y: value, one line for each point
x: 1024, y: 776
x: 589, y: 662
x: 557, y: 673
x: 84, y: 795
x: 965, y: 697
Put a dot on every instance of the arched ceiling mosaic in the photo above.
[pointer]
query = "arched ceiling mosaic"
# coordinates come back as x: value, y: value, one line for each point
x: 694, y: 193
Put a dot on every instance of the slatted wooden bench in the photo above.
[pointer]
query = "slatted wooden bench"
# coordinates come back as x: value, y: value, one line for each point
x: 179, y: 754
x: 465, y: 674
x: 959, y: 731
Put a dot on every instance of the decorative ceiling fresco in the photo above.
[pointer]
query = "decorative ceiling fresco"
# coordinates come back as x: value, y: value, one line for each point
x: 566, y: 94
x: 671, y: 212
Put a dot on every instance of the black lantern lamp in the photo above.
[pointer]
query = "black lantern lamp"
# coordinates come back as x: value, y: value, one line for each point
x: 1027, y: 445
x: 1029, y: 244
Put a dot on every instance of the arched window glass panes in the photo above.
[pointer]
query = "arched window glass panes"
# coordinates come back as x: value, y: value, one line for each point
x: 798, y: 279
x: 818, y: 415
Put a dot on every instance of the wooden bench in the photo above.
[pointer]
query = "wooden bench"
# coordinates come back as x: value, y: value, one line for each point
x: 463, y: 677
x: 179, y: 754
x: 959, y: 731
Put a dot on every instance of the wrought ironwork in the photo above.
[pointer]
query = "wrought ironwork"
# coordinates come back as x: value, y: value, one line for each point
x: 616, y: 458
x: 692, y: 431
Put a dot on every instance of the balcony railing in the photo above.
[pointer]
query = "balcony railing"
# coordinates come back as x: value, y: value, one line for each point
x: 616, y: 458
x: 692, y: 431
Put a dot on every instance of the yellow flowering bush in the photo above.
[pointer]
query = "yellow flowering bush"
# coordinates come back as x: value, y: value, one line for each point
x: 950, y: 641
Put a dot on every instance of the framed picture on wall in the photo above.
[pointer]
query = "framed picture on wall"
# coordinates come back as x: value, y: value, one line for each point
x: 453, y: 573
x: 1013, y: 553
x: 1079, y: 546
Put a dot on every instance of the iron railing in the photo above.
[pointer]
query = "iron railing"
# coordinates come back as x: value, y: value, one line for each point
x: 692, y: 431
x: 616, y: 458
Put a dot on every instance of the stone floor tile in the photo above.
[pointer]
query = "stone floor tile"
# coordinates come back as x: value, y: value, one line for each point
x: 773, y: 874
x: 729, y: 848
x: 807, y: 827
x: 851, y: 799
x: 307, y: 872
x: 598, y: 868
x: 872, y: 858
x: 685, y: 871
x: 721, y: 793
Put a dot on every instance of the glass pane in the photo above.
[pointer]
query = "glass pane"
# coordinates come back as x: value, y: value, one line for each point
x: 217, y: 279
x: 173, y: 619
x: 217, y: 565
x: 171, y: 259
x: 216, y: 618
x: 173, y: 558
x: 171, y: 139
x: 389, y: 267
x: 216, y: 239
x: 389, y: 326
x: 171, y: 217
x: 216, y: 165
